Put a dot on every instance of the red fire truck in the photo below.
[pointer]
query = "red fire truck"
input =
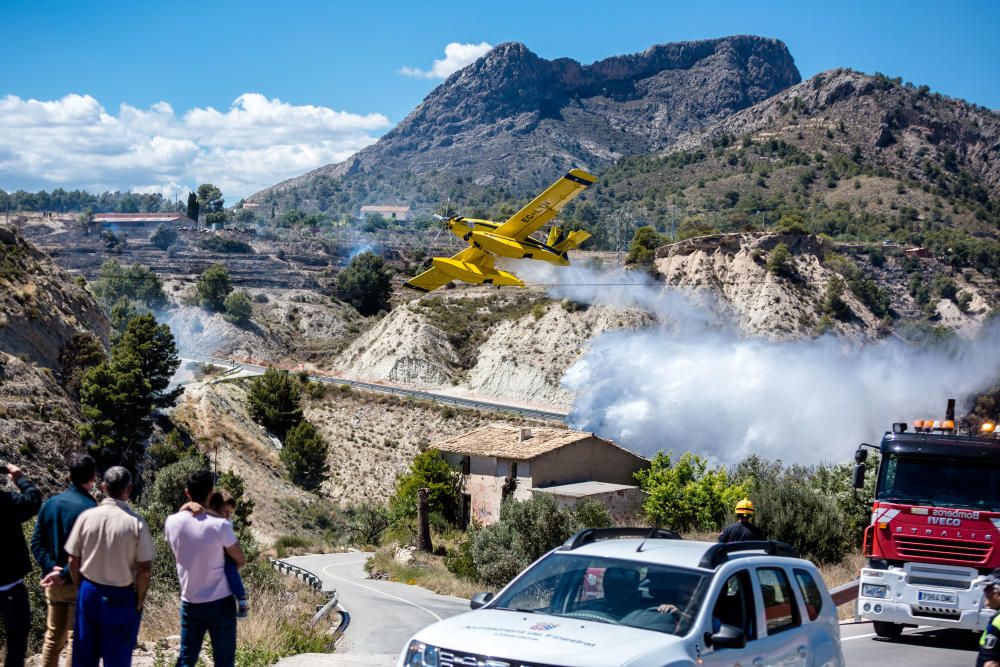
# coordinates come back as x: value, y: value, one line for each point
x: 935, y: 528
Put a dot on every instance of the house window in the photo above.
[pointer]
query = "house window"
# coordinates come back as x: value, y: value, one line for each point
x: 466, y: 465
x: 513, y: 469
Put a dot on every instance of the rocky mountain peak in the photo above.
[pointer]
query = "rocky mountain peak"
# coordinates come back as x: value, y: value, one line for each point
x: 520, y: 118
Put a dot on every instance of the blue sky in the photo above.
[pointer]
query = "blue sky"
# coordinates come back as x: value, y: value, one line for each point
x: 337, y: 70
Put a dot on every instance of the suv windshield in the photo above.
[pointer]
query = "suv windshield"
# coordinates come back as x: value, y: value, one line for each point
x: 940, y: 482
x: 607, y: 590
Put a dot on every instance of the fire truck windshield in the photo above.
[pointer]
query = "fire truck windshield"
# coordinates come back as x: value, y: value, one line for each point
x: 940, y: 482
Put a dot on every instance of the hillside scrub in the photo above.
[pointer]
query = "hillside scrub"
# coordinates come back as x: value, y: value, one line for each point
x: 216, y: 243
x: 467, y: 321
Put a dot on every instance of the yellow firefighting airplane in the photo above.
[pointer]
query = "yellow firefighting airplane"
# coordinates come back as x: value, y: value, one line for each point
x: 509, y: 239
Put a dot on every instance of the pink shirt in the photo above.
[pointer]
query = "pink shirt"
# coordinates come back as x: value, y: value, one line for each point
x: 198, y: 543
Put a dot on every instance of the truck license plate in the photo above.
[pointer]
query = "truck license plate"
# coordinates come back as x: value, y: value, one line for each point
x: 937, y: 598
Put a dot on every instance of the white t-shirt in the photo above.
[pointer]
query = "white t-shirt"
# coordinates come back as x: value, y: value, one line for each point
x: 198, y: 543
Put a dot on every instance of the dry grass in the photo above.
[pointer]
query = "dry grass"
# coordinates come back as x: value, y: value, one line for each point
x: 426, y: 570
x: 272, y: 614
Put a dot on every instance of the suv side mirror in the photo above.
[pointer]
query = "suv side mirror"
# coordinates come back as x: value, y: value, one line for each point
x: 480, y: 600
x: 861, y: 455
x: 728, y: 636
x: 858, y: 476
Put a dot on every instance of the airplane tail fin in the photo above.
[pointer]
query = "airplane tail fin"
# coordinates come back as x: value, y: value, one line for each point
x: 571, y: 240
x: 556, y: 236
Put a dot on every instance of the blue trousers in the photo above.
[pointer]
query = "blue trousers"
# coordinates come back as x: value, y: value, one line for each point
x: 15, y: 613
x: 218, y: 619
x: 234, y: 579
x: 106, y: 627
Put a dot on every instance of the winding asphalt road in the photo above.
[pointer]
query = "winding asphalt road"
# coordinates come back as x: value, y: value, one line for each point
x: 385, y: 614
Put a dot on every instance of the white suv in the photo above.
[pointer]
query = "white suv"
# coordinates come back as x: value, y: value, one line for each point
x: 646, y: 599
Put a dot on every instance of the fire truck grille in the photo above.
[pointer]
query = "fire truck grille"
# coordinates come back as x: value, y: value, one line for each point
x: 956, y: 551
x: 458, y: 659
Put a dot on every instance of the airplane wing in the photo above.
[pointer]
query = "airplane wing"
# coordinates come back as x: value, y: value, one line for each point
x: 545, y: 206
x: 433, y: 278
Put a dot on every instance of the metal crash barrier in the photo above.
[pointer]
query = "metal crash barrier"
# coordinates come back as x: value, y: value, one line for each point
x: 314, y: 582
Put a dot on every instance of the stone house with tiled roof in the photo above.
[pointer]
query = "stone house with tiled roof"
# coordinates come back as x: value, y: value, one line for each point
x: 501, y: 460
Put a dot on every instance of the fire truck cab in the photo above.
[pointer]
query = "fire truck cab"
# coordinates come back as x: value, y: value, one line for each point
x: 935, y: 529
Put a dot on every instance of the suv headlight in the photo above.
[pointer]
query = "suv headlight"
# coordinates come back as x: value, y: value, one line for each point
x: 873, y: 591
x: 420, y: 654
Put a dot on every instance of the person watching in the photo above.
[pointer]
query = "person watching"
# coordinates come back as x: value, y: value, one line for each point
x: 55, y: 522
x: 16, y: 507
x: 110, y: 559
x: 199, y: 540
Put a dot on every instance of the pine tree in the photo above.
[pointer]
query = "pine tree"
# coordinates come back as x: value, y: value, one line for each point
x: 214, y: 286
x: 304, y: 455
x: 118, y: 396
x: 273, y: 401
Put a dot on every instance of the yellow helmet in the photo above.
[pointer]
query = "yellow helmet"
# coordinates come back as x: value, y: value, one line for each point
x: 745, y: 506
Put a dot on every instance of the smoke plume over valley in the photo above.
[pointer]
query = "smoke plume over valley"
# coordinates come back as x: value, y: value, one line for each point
x: 693, y: 382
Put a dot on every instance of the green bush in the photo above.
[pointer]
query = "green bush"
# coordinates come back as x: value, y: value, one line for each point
x: 687, y: 494
x: 814, y: 509
x: 366, y: 284
x: 429, y: 470
x: 779, y: 262
x: 460, y: 560
x: 642, y: 250
x: 224, y: 244
x: 790, y: 511
x: 164, y: 237
x: 238, y: 307
x: 525, y: 532
x: 167, y: 490
x: 135, y: 283
x: 833, y: 300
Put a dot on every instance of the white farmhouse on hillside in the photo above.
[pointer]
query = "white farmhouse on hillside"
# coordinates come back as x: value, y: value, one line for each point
x: 398, y: 213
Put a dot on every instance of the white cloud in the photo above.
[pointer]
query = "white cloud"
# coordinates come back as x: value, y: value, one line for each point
x: 73, y: 142
x: 456, y: 56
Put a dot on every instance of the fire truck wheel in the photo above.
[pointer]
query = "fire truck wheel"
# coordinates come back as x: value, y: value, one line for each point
x: 887, y: 630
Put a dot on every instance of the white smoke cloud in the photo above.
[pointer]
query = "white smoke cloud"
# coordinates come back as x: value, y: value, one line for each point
x: 456, y: 56
x: 687, y: 384
x: 73, y: 142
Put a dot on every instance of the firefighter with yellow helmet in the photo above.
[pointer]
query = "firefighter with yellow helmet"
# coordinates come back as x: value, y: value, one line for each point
x: 989, y: 641
x: 743, y: 530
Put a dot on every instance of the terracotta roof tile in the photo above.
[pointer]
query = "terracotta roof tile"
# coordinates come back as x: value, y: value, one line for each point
x: 503, y: 441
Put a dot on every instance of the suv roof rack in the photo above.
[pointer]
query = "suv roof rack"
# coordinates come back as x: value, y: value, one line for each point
x: 589, y: 535
x: 717, y: 554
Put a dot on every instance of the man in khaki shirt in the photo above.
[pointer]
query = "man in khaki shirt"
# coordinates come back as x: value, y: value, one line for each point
x: 111, y: 558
